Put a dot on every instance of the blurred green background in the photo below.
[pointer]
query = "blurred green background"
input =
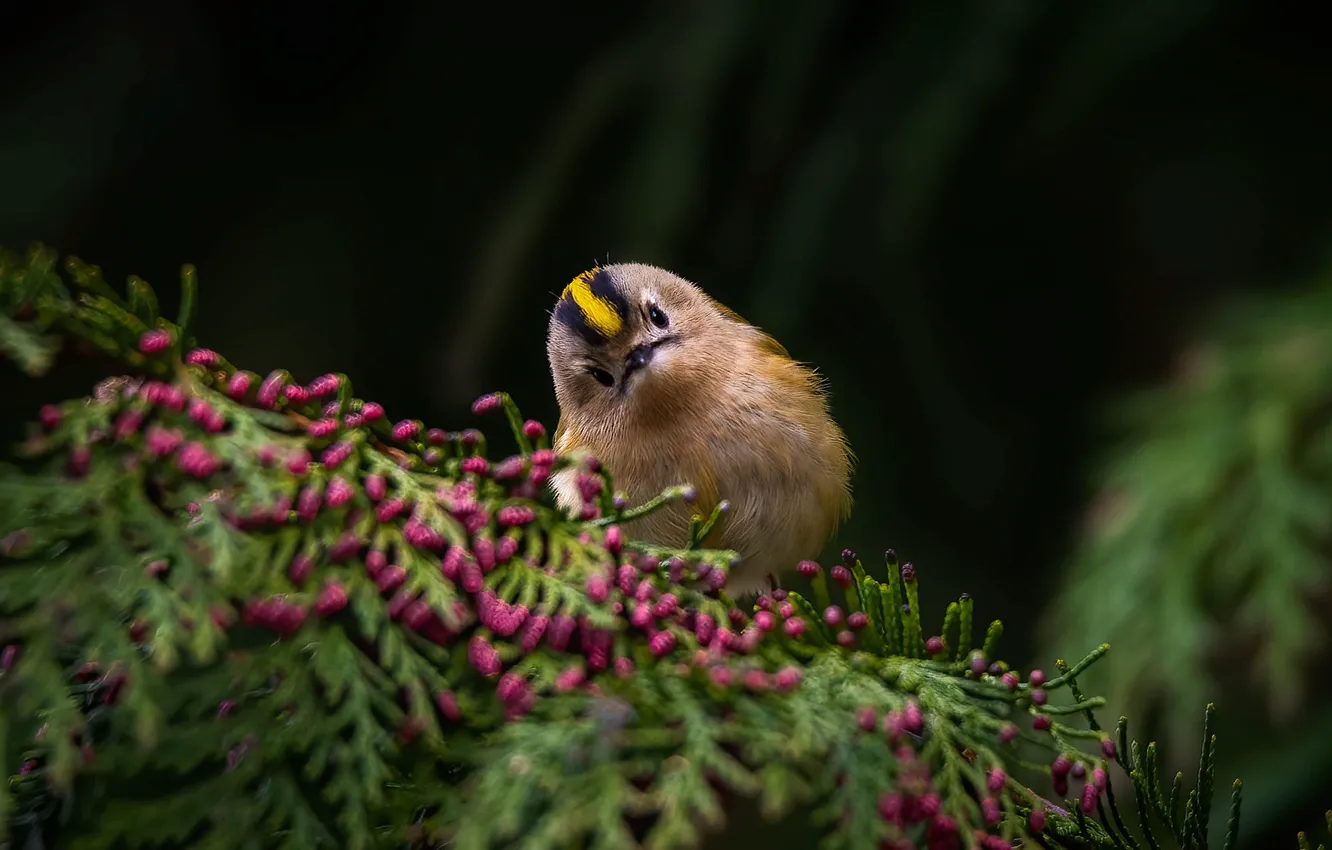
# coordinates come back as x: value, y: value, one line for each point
x: 983, y: 221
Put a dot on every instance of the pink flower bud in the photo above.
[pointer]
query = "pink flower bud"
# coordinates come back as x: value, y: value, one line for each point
x: 569, y: 679
x: 299, y: 462
x: 788, y: 678
x: 614, y: 540
x: 515, y: 515
x: 389, y: 510
x: 794, y: 627
x: 270, y: 390
x: 483, y: 657
x: 331, y: 600
x: 448, y: 705
x: 662, y: 643
x: 841, y: 575
x: 49, y: 416
x: 1008, y: 734
x: 376, y: 487
x: 485, y: 404
x: 867, y: 719
x: 1036, y: 820
x: 474, y: 465
x: 1009, y: 681
x: 336, y: 454
x: 203, y: 357
x: 154, y: 342
x: 1037, y: 678
x: 857, y: 620
x: 338, y: 493
x: 372, y: 411
x: 533, y: 429
x: 1039, y: 697
x: 322, y: 428
x: 406, y: 429
x: 996, y: 780
x: 391, y: 578
x: 239, y: 385
x: 300, y: 568
x: 765, y: 621
x: 1040, y: 722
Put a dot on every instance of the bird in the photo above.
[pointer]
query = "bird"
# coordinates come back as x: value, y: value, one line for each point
x: 665, y: 386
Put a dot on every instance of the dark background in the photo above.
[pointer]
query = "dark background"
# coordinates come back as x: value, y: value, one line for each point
x: 980, y: 220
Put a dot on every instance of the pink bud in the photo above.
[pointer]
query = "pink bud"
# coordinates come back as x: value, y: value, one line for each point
x: 704, y: 628
x: 841, y: 575
x: 614, y: 540
x: 406, y: 429
x: 338, y: 493
x: 485, y: 404
x: 1037, y: 678
x: 787, y: 678
x: 569, y: 679
x: 331, y: 600
x: 336, y: 454
x: 154, y: 342
x: 867, y: 719
x: 239, y: 385
x: 474, y: 465
x: 391, y: 578
x: 794, y: 627
x: 662, y: 643
x: 533, y: 429
x: 857, y: 620
x: 996, y: 780
x: 321, y: 428
x: 448, y: 705
x: 376, y: 487
x: 808, y: 569
x: 300, y: 568
x: 203, y: 357
x: 372, y: 411
x: 1036, y: 820
x: 49, y: 416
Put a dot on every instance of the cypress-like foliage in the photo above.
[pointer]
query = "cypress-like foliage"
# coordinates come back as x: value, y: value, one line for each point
x: 242, y: 609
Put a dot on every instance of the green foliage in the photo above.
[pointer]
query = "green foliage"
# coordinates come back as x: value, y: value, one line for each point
x: 1210, y: 536
x: 253, y: 611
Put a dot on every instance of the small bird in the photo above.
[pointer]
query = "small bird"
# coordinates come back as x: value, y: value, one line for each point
x: 666, y: 387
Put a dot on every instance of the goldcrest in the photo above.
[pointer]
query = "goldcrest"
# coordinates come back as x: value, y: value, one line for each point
x: 665, y: 386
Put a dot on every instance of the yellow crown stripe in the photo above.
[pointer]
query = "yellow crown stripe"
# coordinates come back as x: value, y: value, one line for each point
x: 599, y: 313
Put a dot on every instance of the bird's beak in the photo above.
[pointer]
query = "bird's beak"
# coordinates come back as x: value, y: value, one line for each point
x: 639, y: 358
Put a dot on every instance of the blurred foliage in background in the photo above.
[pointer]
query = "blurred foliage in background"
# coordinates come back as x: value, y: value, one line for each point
x: 983, y: 221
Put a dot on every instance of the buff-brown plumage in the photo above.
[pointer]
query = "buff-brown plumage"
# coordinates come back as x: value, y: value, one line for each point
x: 709, y: 400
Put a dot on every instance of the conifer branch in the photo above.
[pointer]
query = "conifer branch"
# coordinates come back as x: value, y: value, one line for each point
x: 243, y: 606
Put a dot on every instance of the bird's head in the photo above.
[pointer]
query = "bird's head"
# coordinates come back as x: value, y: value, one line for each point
x: 631, y: 340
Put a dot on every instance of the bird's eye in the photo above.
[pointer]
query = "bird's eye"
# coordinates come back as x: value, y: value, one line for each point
x: 603, y: 377
x: 657, y: 317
